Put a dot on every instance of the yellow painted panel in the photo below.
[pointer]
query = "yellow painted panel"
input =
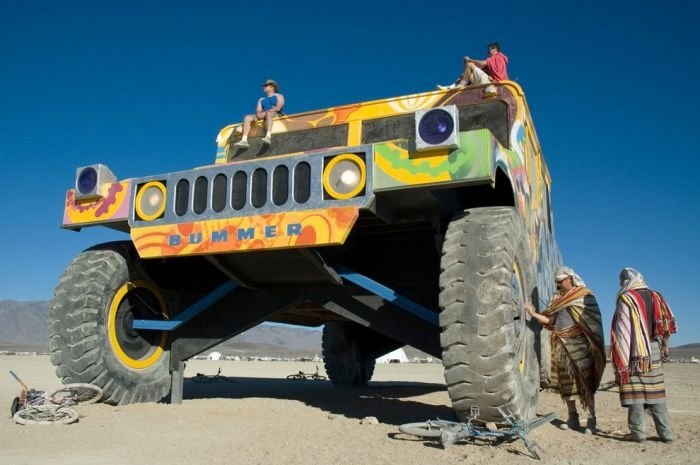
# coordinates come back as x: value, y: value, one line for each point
x: 281, y: 230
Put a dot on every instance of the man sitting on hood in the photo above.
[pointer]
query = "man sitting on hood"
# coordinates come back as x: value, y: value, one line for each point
x: 476, y: 72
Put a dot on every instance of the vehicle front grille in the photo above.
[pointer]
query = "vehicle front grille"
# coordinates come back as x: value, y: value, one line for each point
x: 237, y: 188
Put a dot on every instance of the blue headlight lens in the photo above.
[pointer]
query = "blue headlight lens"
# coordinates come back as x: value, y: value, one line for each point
x: 87, y: 180
x: 436, y: 126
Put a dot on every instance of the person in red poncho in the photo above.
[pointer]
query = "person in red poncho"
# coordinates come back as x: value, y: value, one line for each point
x: 641, y: 327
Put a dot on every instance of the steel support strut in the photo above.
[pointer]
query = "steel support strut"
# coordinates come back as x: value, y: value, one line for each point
x: 177, y: 383
x: 190, y: 312
x: 383, y: 310
x: 388, y: 294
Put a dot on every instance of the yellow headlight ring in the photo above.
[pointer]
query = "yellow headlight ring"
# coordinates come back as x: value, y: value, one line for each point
x: 139, y: 197
x: 329, y: 168
x: 112, y: 331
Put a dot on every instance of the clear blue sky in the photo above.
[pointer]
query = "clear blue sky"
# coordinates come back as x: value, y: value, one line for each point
x: 144, y: 87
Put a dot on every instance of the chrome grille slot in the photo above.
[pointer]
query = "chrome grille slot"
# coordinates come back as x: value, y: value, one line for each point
x: 302, y: 182
x: 219, y: 193
x: 182, y: 197
x: 280, y: 185
x: 199, y: 203
x: 239, y: 190
x: 258, y: 190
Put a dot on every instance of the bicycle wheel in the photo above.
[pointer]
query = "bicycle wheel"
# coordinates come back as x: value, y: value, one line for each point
x: 46, y: 415
x: 318, y: 377
x: 296, y: 377
x: 75, y: 394
x: 428, y: 429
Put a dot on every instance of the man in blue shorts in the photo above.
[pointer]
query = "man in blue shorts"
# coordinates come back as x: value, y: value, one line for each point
x: 268, y: 108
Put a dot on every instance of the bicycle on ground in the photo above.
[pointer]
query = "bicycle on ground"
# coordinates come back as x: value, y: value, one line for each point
x: 202, y: 378
x: 302, y: 376
x: 450, y: 432
x: 35, y: 407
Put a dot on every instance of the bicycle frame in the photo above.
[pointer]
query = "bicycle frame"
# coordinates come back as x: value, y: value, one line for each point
x: 449, y: 432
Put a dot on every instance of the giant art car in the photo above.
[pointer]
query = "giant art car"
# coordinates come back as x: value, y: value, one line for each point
x: 422, y: 220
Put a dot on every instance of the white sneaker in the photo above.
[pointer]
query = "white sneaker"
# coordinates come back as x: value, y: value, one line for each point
x: 451, y: 86
x: 267, y: 140
x: 243, y: 144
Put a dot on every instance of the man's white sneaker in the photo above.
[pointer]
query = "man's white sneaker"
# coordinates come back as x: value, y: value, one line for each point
x: 451, y: 86
x: 267, y: 140
x: 241, y: 144
x: 490, y: 91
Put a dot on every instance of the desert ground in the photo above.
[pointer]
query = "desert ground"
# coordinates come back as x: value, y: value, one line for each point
x: 260, y: 417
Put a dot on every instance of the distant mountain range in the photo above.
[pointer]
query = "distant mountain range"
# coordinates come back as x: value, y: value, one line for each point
x: 274, y: 341
x: 23, y: 327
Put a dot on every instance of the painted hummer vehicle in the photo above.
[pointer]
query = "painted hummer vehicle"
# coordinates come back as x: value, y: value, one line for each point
x: 423, y: 220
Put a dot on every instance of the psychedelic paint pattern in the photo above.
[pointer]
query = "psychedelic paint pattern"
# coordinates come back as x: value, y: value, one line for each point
x: 113, y: 207
x: 282, y: 230
x: 395, y: 166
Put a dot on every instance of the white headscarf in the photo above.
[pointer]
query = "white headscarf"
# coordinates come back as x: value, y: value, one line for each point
x: 631, y: 279
x: 564, y: 272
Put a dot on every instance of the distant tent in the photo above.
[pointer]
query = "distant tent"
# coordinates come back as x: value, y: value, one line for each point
x: 397, y: 356
x: 214, y: 356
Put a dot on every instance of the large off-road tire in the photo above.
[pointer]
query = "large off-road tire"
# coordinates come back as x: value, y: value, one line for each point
x: 350, y: 352
x: 488, y: 348
x: 90, y: 335
x: 343, y: 357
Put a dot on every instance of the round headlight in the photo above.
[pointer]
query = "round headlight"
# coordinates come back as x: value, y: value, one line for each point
x: 87, y: 181
x: 344, y: 176
x: 436, y: 126
x: 150, y: 201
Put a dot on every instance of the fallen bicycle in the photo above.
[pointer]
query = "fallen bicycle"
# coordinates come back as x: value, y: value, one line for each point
x: 303, y: 376
x: 34, y: 407
x: 202, y: 378
x: 450, y: 432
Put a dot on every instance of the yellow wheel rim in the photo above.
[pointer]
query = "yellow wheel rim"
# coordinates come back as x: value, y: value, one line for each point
x: 126, y: 359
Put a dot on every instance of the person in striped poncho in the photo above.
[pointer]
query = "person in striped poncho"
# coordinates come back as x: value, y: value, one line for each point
x: 578, y: 347
x: 641, y: 327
